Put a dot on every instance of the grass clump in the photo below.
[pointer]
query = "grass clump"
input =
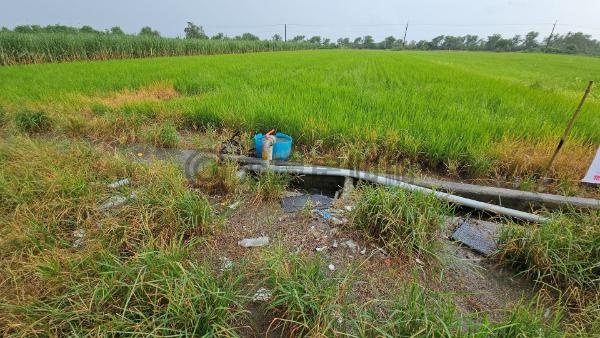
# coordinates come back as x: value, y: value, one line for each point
x: 403, y: 222
x: 220, y: 177
x: 269, y: 185
x: 563, y: 252
x: 157, y: 292
x: 195, y: 213
x: 164, y: 135
x: 29, y: 121
x: 563, y: 255
x: 306, y: 300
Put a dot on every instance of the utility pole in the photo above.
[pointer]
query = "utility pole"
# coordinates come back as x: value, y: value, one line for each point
x: 404, y: 39
x: 550, y: 37
x: 285, y: 32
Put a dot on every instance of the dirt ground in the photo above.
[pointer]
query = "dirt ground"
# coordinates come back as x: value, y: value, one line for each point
x: 474, y: 282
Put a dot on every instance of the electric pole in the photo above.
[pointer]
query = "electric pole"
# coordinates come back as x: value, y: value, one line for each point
x: 404, y: 39
x: 285, y: 32
x: 550, y: 37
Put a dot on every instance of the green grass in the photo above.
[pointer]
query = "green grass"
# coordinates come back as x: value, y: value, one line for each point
x: 32, y: 121
x: 465, y: 110
x: 401, y: 221
x: 563, y: 256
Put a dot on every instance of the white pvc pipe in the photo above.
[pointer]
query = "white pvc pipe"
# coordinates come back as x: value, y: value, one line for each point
x: 361, y: 175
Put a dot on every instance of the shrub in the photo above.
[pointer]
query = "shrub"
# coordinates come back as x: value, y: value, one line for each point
x: 100, y: 109
x: 32, y: 121
x: 401, y: 221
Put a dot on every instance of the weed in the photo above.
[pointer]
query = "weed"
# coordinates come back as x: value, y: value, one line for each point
x: 195, y: 213
x: 529, y: 320
x: 562, y: 254
x: 414, y: 312
x: 220, y: 177
x: 403, y: 222
x: 32, y: 121
x: 194, y: 87
x: 269, y: 185
x: 3, y: 117
x: 306, y: 300
x: 164, y: 135
x: 156, y: 292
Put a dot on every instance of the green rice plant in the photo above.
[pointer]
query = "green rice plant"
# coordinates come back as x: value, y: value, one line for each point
x: 401, y: 221
x: 194, y: 87
x: 269, y: 185
x: 164, y: 135
x: 195, y: 213
x: 100, y: 109
x: 32, y: 121
x: 306, y: 300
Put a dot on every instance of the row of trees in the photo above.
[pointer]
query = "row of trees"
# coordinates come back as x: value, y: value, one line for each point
x: 557, y: 43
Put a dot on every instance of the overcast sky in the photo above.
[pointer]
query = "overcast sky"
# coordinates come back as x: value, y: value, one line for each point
x: 328, y: 18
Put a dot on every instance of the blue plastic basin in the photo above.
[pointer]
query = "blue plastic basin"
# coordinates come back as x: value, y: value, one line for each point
x: 281, y: 150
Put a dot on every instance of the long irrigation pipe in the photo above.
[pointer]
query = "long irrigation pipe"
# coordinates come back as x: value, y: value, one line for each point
x: 361, y: 175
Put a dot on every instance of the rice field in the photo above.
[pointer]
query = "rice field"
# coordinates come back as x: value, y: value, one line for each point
x: 167, y: 262
x: 473, y: 114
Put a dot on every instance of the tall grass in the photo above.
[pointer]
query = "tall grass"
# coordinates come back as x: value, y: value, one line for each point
x: 403, y: 222
x: 22, y: 48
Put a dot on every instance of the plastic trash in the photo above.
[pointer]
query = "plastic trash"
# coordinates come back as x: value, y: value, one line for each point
x: 254, y: 242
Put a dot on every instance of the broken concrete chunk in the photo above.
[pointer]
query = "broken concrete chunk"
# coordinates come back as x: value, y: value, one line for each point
x: 262, y: 295
x: 254, y: 242
x: 115, y: 202
x: 79, y: 238
x: 119, y: 183
x: 297, y: 203
x: 226, y: 264
x: 480, y: 236
x: 350, y: 244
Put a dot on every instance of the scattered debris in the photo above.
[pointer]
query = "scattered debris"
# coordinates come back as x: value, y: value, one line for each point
x: 297, y: 203
x: 79, y: 238
x: 254, y: 242
x: 115, y: 202
x: 226, y: 264
x: 262, y: 295
x: 481, y: 236
x: 119, y: 183
x: 348, y: 187
x: 321, y: 249
x: 350, y: 244
x: 363, y: 251
x: 349, y: 208
x: 335, y: 244
x: 420, y: 262
x: 331, y: 267
x: 234, y: 206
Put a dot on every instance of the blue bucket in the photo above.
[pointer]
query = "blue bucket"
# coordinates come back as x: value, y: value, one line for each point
x: 282, y: 149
